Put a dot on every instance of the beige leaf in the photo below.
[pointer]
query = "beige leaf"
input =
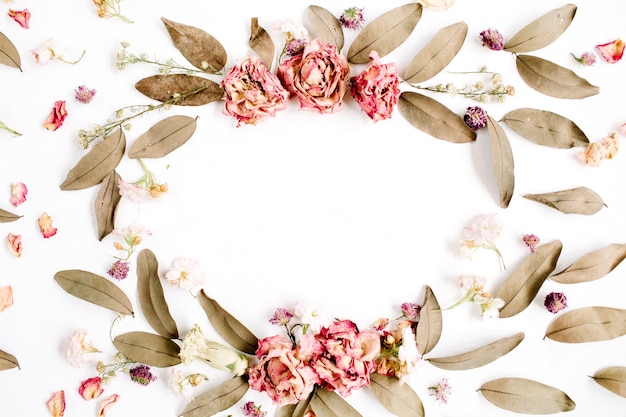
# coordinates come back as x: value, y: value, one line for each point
x: 106, y: 204
x: 396, y: 396
x: 326, y: 26
x: 546, y: 128
x: 7, y: 217
x: 327, y: 403
x: 8, y: 53
x: 478, y: 357
x: 502, y: 159
x: 202, y: 50
x: 434, y: 118
x: 542, y: 31
x: 7, y: 361
x: 553, y: 80
x: 217, y: 399
x: 593, y: 265
x: 437, y: 54
x: 385, y: 33
x: 430, y: 325
x: 588, y: 324
x: 521, y: 287
x: 261, y: 42
x: 295, y: 410
x: 526, y: 396
x: 99, y: 162
x: 579, y: 200
x: 612, y: 378
x: 180, y: 89
x: 148, y: 348
x: 163, y: 137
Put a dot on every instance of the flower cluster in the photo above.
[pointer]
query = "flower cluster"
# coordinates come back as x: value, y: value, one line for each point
x: 472, y: 286
x: 133, y: 235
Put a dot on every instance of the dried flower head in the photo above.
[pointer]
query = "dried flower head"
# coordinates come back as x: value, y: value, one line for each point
x: 482, y: 232
x: 492, y: 39
x: 110, y: 8
x: 77, y: 346
x: 441, y: 391
x: 252, y: 410
x: 531, y: 241
x: 141, y: 374
x: 352, y: 18
x: 586, y: 58
x: 555, y: 302
x: 84, y: 94
x: 281, y: 317
x: 187, y: 274
x: 475, y: 118
x: 119, y: 270
x: 410, y: 310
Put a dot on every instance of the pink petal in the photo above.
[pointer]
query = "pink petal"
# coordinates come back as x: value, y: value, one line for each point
x: 20, y: 16
x: 56, y: 404
x: 612, y: 52
x: 56, y: 117
x: 106, y: 403
x: 18, y: 193
x: 6, y: 297
x: 15, y: 244
x: 91, y: 388
x: 45, y: 226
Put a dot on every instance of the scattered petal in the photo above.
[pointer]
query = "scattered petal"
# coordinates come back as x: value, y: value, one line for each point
x: 91, y: 388
x: 15, y: 244
x: 6, y: 297
x: 18, y: 193
x: 45, y: 226
x: 56, y: 117
x: 106, y: 403
x: 20, y: 16
x: 56, y: 404
x: 611, y: 52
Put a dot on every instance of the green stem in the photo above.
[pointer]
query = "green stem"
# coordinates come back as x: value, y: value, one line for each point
x: 8, y: 129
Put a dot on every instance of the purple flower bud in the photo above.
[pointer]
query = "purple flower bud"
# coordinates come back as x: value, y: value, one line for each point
x: 492, y: 39
x: 141, y: 374
x: 119, y: 270
x: 475, y: 118
x: 410, y: 310
x: 555, y: 302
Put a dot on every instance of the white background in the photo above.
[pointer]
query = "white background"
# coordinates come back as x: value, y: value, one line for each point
x: 334, y: 208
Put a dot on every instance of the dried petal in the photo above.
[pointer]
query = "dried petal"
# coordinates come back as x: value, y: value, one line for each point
x: 45, y: 226
x: 91, y: 388
x: 56, y: 117
x: 18, y: 193
x: 106, y: 403
x: 15, y: 244
x: 611, y: 52
x: 6, y: 297
x: 56, y: 404
x: 20, y: 16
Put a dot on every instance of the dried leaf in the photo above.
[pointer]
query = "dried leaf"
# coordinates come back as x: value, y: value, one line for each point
x: 149, y: 348
x: 580, y: 200
x: 106, y: 204
x: 553, y: 80
x: 478, y: 357
x: 151, y: 297
x: 612, y: 378
x: 8, y: 53
x: 526, y: 396
x: 295, y: 410
x: 593, y: 265
x: 217, y: 399
x: 502, y: 159
x: 546, y: 128
x: 542, y: 31
x: 99, y: 162
x: 396, y: 396
x: 261, y: 42
x: 385, y: 33
x: 327, y: 403
x: 95, y: 289
x: 7, y: 361
x: 437, y: 54
x: 434, y: 118
x: 326, y: 26
x: 430, y: 325
x: 519, y: 289
x: 163, y: 137
x: 589, y: 324
x: 231, y: 329
x: 7, y: 217
x: 202, y: 50
x: 180, y: 89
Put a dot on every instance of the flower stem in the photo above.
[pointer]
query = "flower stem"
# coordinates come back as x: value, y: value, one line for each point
x: 8, y: 129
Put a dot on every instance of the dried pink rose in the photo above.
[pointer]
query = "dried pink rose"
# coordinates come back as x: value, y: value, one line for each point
x: 6, y: 297
x: 20, y: 16
x: 18, y: 193
x: 56, y: 404
x: 91, y: 388
x: 56, y: 117
x: 45, y: 226
x: 611, y: 52
x: 555, y: 302
x: 106, y: 403
x: 15, y: 244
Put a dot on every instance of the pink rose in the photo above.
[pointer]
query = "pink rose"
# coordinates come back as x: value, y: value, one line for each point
x: 316, y: 76
x: 376, y: 88
x: 285, y: 378
x: 252, y: 92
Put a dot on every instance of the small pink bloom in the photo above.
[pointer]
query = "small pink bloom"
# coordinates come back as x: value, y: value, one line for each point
x: 611, y: 52
x: 15, y: 244
x: 18, y: 193
x: 6, y: 297
x: 45, y: 226
x: 531, y: 241
x: 106, y: 403
x: 20, y: 16
x: 56, y: 117
x: 610, y: 145
x: 84, y: 94
x: 91, y: 388
x: 56, y: 404
x: 48, y: 51
x: 77, y: 346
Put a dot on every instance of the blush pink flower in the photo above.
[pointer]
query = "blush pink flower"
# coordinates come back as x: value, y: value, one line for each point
x: 6, y: 297
x: 186, y: 273
x: 317, y: 77
x: 252, y: 93
x: 91, y: 388
x: 45, y: 226
x: 18, y: 193
x: 77, y: 346
x: 20, y: 16
x: 106, y: 404
x: 56, y: 404
x: 56, y: 117
x: 15, y: 244
x: 611, y: 52
x: 84, y: 94
x: 52, y: 51
x: 441, y: 391
x: 595, y: 152
x: 375, y: 89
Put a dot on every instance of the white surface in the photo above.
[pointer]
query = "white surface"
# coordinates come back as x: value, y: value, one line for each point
x: 355, y: 215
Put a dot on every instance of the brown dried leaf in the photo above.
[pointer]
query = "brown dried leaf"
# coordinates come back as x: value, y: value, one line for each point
x: 579, y: 200
x: 519, y: 289
x: 553, y: 80
x: 612, y: 378
x: 180, y: 89
x: 7, y: 361
x: 542, y: 31
x: 148, y: 348
x: 106, y: 204
x: 396, y: 396
x: 502, y: 159
x: 546, y: 128
x: 327, y: 403
x: 231, y: 329
x: 217, y: 399
x: 593, y: 265
x: 163, y: 137
x: 326, y: 26
x: 99, y: 162
x: 437, y: 54
x: 526, y: 396
x: 434, y: 118
x: 478, y: 357
x: 202, y: 50
x: 7, y: 217
x: 8, y: 53
x: 151, y: 297
x: 295, y: 410
x: 430, y: 325
x: 95, y: 289
x: 261, y: 42
x: 589, y: 324
x: 385, y: 33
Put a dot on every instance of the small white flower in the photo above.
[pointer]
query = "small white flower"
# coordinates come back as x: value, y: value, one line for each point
x: 186, y: 273
x: 312, y: 314
x: 77, y: 346
x: 490, y: 306
x: 483, y: 229
x: 179, y: 384
x: 292, y: 28
x: 407, y: 352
